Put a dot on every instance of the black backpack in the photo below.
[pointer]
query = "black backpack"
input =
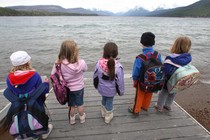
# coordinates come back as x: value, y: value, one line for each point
x: 152, y: 76
x: 26, y: 117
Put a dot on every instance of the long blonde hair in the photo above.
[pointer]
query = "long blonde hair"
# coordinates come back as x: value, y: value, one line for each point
x: 68, y: 51
x: 26, y: 66
x: 181, y: 45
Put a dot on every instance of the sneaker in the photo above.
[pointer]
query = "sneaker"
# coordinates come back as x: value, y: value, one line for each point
x: 159, y: 109
x: 130, y: 109
x: 50, y: 127
x: 72, y: 119
x: 82, y: 118
x: 167, y: 108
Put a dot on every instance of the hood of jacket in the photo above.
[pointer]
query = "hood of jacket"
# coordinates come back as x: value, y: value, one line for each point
x: 20, y: 77
x: 180, y: 59
x: 75, y: 67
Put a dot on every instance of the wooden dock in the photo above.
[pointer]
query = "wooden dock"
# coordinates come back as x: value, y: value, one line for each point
x: 150, y: 125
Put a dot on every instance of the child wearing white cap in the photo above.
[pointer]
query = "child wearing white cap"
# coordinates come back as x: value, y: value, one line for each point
x: 22, y: 80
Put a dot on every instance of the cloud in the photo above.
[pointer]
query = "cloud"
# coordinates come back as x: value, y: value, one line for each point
x: 109, y: 5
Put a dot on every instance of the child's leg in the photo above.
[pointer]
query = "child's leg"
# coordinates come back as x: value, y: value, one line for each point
x: 72, y: 114
x: 138, y: 100
x: 82, y: 114
x: 103, y: 109
x: 147, y: 101
x: 72, y: 110
x: 71, y: 104
x: 169, y: 101
x: 80, y: 110
x: 108, y: 109
x: 163, y: 94
x: 109, y: 103
x: 79, y: 103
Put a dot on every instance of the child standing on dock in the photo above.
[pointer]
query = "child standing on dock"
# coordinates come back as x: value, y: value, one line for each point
x: 143, y: 97
x: 72, y: 69
x: 24, y: 86
x: 109, y: 79
x: 179, y: 56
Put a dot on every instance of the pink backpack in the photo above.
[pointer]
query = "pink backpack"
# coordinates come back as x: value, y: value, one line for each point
x: 59, y: 85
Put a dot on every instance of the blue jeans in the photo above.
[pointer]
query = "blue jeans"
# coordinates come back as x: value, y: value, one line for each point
x: 107, y: 102
x: 76, y: 97
x: 165, y: 99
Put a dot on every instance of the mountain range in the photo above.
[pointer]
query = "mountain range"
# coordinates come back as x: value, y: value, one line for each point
x: 198, y: 9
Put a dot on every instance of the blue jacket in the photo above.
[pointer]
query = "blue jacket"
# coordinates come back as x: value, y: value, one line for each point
x: 107, y: 87
x: 138, y: 63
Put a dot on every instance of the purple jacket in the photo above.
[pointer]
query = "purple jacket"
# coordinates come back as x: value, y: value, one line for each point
x: 107, y: 87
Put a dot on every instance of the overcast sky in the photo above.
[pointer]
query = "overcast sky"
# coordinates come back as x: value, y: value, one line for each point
x: 109, y: 5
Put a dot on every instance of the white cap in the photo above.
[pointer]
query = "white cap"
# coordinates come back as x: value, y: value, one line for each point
x: 19, y: 58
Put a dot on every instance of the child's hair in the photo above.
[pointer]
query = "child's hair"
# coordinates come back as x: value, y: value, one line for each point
x: 68, y: 51
x: 26, y: 66
x: 110, y: 53
x: 147, y: 39
x: 181, y: 45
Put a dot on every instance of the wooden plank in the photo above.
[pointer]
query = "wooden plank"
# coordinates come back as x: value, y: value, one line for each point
x: 148, y: 125
x: 144, y: 130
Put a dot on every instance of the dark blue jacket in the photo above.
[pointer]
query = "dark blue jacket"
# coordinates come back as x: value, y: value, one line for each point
x: 26, y: 83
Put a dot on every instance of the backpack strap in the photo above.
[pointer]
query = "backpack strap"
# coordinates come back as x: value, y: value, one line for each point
x: 144, y: 57
x: 155, y: 54
x: 10, y: 95
x: 168, y: 61
x: 39, y: 91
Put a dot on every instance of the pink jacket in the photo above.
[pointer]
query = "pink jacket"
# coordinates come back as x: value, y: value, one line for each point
x: 73, y: 74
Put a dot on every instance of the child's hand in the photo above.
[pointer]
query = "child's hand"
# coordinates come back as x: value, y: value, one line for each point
x: 44, y: 79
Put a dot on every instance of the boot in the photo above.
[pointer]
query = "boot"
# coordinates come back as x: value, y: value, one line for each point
x: 72, y: 119
x: 103, y: 111
x: 82, y: 118
x: 108, y: 116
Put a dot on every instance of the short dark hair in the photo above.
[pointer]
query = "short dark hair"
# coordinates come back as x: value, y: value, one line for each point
x: 147, y: 39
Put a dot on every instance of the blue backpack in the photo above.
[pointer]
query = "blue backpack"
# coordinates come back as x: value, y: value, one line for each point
x: 152, y: 76
x: 26, y: 117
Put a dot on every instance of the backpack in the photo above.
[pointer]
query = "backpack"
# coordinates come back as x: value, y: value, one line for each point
x: 59, y: 85
x: 152, y: 76
x: 26, y: 117
x: 182, y: 78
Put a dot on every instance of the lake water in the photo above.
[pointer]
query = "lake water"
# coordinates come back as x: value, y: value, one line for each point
x: 41, y: 37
